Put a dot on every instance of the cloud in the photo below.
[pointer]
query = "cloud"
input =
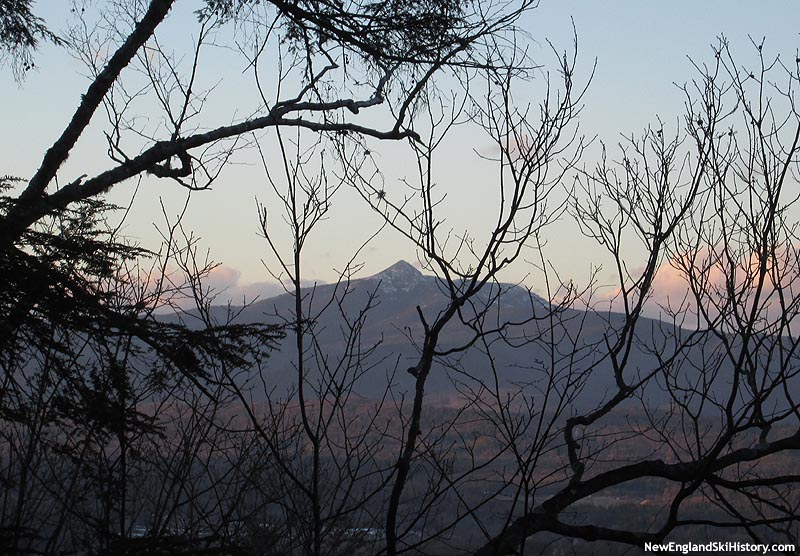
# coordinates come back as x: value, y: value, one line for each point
x: 223, y: 277
x: 220, y: 285
x: 670, y: 289
x: 225, y: 283
x: 721, y: 284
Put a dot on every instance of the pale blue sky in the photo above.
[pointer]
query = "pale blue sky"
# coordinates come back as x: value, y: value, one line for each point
x: 641, y: 49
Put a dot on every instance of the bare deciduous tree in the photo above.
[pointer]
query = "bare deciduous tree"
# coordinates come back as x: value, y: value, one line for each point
x: 706, y: 392
x: 125, y: 429
x: 100, y: 393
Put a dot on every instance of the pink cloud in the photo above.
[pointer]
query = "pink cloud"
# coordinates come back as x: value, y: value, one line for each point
x: 226, y: 284
x: 221, y: 285
x: 712, y: 276
x: 222, y: 278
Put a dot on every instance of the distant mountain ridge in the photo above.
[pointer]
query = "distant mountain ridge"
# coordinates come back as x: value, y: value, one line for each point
x: 401, y: 278
x: 392, y: 326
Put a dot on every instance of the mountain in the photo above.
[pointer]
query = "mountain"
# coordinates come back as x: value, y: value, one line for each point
x: 532, y: 352
x: 400, y: 278
x: 397, y: 292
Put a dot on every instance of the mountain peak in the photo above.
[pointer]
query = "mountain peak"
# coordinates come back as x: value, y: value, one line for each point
x: 400, y: 268
x: 400, y: 276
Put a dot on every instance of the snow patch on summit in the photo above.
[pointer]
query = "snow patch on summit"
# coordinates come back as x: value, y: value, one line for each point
x: 400, y: 277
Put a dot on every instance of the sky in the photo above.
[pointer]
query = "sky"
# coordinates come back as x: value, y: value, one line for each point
x: 641, y: 52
